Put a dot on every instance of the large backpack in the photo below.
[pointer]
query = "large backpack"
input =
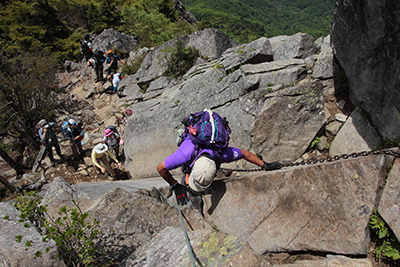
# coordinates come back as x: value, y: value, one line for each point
x: 99, y: 56
x: 206, y: 129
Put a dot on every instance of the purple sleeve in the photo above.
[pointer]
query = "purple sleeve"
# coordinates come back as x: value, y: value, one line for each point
x: 230, y: 154
x: 181, y: 156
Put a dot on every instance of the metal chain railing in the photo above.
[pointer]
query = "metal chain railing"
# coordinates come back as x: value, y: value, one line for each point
x: 327, y: 159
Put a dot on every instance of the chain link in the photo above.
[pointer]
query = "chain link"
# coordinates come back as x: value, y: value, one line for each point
x: 328, y: 159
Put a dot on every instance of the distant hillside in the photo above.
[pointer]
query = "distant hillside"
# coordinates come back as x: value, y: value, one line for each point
x: 247, y: 20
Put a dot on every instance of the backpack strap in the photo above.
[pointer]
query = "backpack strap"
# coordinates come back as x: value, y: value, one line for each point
x: 212, y: 125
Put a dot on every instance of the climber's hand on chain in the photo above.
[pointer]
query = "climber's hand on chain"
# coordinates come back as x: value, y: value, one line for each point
x: 271, y: 166
x: 180, y: 193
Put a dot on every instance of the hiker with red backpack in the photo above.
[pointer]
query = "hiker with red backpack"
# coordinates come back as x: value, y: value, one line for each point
x: 202, y: 149
x: 86, y: 47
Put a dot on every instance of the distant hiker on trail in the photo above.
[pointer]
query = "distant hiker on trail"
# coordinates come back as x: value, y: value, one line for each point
x: 200, y: 153
x: 99, y: 152
x: 74, y: 133
x: 49, y: 138
x: 112, y: 62
x: 116, y: 79
x: 97, y: 62
x: 112, y: 139
x: 86, y: 47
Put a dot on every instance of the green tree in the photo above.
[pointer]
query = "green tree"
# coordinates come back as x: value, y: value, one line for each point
x: 27, y: 94
x: 152, y: 27
x: 102, y: 14
x: 30, y: 25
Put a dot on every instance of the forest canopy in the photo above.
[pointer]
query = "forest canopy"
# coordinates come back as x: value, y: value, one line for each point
x: 247, y: 20
x: 57, y: 26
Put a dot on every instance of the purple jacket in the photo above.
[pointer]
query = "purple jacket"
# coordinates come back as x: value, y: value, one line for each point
x: 183, y: 156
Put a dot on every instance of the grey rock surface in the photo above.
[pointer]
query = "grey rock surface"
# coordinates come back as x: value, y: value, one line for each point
x: 300, y: 45
x: 389, y: 204
x: 356, y: 135
x: 13, y: 254
x: 324, y: 207
x: 365, y: 43
x: 301, y: 107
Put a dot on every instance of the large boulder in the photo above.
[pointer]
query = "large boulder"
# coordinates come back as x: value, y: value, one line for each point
x: 111, y: 39
x: 366, y: 44
x: 300, y: 45
x: 323, y: 207
x: 13, y: 254
x: 211, y: 248
x: 356, y: 135
x: 59, y: 193
x: 132, y: 219
x: 300, y: 109
x: 210, y: 43
x: 389, y: 204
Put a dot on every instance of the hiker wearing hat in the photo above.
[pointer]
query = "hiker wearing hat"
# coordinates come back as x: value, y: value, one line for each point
x: 99, y: 152
x: 74, y: 134
x: 112, y: 139
x: 49, y: 138
x: 112, y: 62
x: 203, y: 167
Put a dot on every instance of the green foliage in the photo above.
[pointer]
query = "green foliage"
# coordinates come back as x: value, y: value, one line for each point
x: 102, y: 14
x: 81, y: 243
x: 387, y: 244
x: 315, y: 141
x: 153, y: 22
x: 217, y: 66
x: 30, y: 26
x: 391, y: 143
x: 247, y: 20
x: 179, y: 60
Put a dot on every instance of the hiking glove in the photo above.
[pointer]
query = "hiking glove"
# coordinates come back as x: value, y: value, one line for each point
x: 271, y: 166
x: 180, y: 194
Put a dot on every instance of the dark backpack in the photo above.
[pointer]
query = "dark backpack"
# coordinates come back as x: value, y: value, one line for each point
x: 99, y: 56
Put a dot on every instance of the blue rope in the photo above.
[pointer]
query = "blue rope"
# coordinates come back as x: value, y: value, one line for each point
x: 216, y: 130
x: 203, y: 126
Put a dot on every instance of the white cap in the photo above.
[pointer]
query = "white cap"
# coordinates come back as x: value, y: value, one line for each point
x: 203, y: 173
x: 100, y: 148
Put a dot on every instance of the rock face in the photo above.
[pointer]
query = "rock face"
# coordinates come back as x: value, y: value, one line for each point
x: 365, y: 42
x: 211, y: 248
x: 318, y: 208
x: 16, y: 254
x: 111, y: 39
x: 239, y: 84
x: 300, y: 107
